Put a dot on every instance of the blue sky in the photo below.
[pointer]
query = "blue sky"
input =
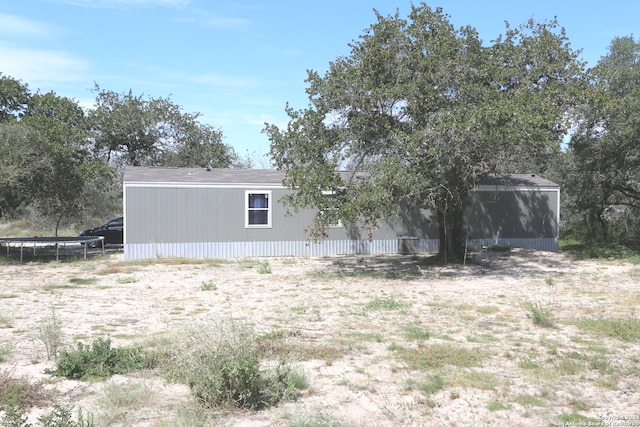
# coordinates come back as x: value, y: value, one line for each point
x: 238, y: 62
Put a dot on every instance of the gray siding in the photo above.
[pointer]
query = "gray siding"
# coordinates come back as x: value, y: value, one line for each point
x: 193, y: 215
x: 514, y: 214
x: 201, y: 214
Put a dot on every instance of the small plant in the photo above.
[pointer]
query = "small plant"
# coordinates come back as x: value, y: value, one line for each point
x: 541, y: 314
x: 496, y: 405
x: 386, y: 303
x: 264, y: 268
x: 61, y: 416
x: 49, y: 331
x: 316, y: 418
x: 415, y: 332
x: 222, y: 365
x: 100, y: 360
x: 431, y: 384
x: 208, y: 286
x: 16, y: 394
x: 116, y: 400
x: 5, y: 352
x: 126, y: 280
x: 83, y: 281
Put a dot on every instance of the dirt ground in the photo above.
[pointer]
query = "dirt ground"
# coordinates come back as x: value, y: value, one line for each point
x: 361, y: 314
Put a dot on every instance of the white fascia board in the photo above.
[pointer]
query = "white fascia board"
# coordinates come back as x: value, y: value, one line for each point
x: 252, y: 185
x: 513, y: 188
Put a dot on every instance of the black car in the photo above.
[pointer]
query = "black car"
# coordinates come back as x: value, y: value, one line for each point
x: 111, y: 231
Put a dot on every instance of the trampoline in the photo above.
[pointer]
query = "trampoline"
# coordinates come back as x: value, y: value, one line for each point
x: 49, y: 245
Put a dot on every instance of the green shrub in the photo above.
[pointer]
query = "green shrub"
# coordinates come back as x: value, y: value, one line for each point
x: 541, y: 314
x: 19, y: 393
x: 386, y: 303
x: 264, y: 268
x: 61, y: 417
x: 49, y: 331
x: 222, y: 365
x: 208, y: 286
x: 99, y: 360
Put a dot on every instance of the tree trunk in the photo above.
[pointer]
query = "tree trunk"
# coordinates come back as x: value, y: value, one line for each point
x: 452, y: 239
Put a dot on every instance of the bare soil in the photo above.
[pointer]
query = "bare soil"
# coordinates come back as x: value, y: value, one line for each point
x: 355, y: 317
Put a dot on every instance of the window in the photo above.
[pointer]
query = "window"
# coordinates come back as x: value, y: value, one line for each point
x: 332, y: 210
x: 258, y: 209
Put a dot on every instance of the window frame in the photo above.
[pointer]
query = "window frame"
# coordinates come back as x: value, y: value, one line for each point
x: 268, y: 209
x: 328, y: 193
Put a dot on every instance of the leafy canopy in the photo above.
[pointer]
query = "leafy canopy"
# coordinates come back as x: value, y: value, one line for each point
x: 426, y: 111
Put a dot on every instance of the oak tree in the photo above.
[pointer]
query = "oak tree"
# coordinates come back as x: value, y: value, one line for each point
x: 427, y: 111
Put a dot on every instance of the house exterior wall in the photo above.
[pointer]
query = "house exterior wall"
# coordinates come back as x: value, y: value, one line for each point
x: 209, y: 220
x: 519, y: 217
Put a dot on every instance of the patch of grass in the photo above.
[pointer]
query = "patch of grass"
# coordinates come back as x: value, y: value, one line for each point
x: 247, y: 263
x: 541, y: 313
x: 366, y: 336
x: 83, y: 281
x: 487, y: 309
x: 529, y: 400
x: 577, y: 419
x: 470, y: 378
x: 61, y: 416
x: 208, y: 286
x: 622, y: 329
x: 126, y: 280
x: 7, y: 296
x: 415, y: 332
x: 438, y: 355
x: 496, y: 405
x: 115, y: 401
x: 6, y: 321
x: 54, y: 287
x: 431, y: 384
x: 598, y: 250
x: 386, y: 303
x: 264, y: 268
x: 20, y: 393
x: 288, y: 345
x: 6, y: 351
x: 315, y: 418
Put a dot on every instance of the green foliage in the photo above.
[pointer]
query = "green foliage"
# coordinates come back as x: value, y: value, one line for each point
x: 316, y: 418
x: 208, y: 286
x: 49, y: 331
x: 5, y: 351
x: 61, y: 416
x: 264, y: 268
x: 386, y: 303
x: 431, y: 384
x: 541, y: 313
x: 600, y: 172
x: 20, y: 393
x: 154, y: 131
x: 223, y: 367
x: 577, y: 419
x: 433, y: 356
x: 622, y: 329
x: 415, y: 332
x: 496, y: 405
x: 100, y: 360
x: 14, y: 417
x: 425, y: 111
